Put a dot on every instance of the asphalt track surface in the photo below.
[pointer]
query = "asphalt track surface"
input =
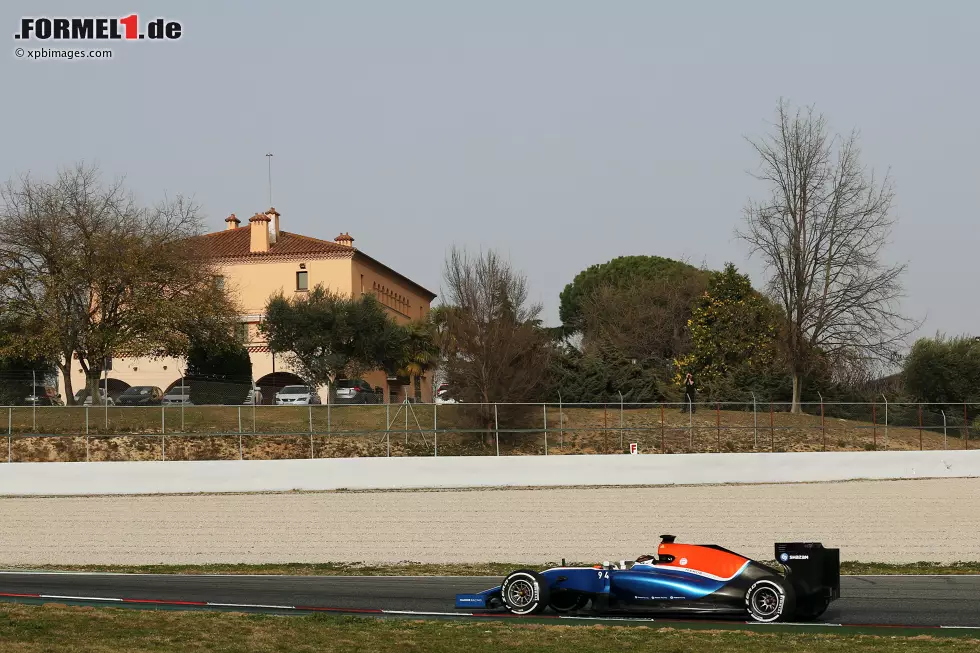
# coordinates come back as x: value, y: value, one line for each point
x: 910, y: 601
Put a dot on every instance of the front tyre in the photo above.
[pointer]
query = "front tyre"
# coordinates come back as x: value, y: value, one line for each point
x: 770, y: 599
x: 525, y: 592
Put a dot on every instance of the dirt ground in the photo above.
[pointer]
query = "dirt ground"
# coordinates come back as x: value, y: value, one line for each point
x: 882, y: 521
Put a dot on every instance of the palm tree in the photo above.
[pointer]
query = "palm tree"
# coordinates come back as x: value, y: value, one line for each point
x: 419, y: 351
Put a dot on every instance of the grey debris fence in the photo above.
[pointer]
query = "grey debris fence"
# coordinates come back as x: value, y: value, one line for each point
x: 42, y: 433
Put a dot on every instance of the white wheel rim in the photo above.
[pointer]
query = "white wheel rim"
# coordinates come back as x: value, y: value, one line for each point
x: 520, y: 594
x: 765, y: 602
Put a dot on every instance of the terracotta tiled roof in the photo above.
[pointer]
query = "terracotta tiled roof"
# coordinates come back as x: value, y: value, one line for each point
x: 237, y: 243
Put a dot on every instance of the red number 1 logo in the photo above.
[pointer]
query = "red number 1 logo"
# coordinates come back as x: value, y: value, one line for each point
x: 131, y: 23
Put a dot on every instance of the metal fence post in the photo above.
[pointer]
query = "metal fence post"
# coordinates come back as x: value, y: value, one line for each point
x: 718, y: 425
x: 690, y: 424
x: 435, y: 427
x: 544, y: 408
x: 755, y: 423
x: 34, y: 403
x: 239, y: 419
x: 388, y: 426
x: 311, y: 418
x: 663, y: 445
x: 945, y: 440
x: 406, y: 421
x: 496, y: 428
x: 920, y: 427
x: 183, y: 401
x: 605, y: 430
x: 620, y: 421
x: 9, y: 446
x: 772, y: 430
x: 823, y: 426
x: 886, y: 419
x: 966, y: 425
x: 874, y: 426
x: 328, y: 413
x: 86, y: 420
x: 86, y: 449
x: 561, y: 425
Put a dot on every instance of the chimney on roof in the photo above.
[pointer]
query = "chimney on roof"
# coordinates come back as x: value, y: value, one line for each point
x: 273, y: 225
x: 231, y: 222
x: 259, y: 226
x: 344, y: 239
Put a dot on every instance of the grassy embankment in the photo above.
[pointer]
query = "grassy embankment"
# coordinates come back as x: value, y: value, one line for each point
x: 346, y: 431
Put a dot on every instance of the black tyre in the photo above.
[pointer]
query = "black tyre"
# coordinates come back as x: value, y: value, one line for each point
x: 770, y: 599
x: 812, y: 608
x: 567, y: 601
x: 525, y: 592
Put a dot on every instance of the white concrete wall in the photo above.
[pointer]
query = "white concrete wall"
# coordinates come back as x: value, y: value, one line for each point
x: 483, y: 471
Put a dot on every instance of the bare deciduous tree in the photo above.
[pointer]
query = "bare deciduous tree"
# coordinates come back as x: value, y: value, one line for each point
x: 93, y: 274
x: 493, y: 346
x: 821, y: 234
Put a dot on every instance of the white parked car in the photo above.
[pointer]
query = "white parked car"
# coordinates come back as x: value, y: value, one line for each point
x: 82, y: 398
x: 442, y: 395
x: 177, y: 396
x: 297, y: 395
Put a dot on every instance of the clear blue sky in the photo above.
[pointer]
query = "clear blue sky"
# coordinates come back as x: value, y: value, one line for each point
x: 561, y: 133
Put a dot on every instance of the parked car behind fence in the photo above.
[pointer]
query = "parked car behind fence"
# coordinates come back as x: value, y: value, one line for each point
x: 141, y: 395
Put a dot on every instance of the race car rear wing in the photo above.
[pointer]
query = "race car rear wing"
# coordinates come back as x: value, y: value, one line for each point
x: 812, y: 569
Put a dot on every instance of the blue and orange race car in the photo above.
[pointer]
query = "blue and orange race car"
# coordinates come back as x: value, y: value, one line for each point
x: 681, y: 578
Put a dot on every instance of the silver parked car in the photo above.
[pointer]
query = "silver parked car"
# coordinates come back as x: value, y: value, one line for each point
x: 178, y: 395
x: 297, y: 395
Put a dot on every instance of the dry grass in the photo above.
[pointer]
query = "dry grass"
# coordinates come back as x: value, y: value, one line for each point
x: 57, y: 628
x: 356, y: 431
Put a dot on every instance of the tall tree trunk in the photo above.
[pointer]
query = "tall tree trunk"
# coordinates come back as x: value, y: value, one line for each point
x: 92, y: 379
x: 797, y: 383
x: 68, y: 390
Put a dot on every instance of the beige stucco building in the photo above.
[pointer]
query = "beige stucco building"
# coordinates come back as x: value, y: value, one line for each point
x: 257, y: 260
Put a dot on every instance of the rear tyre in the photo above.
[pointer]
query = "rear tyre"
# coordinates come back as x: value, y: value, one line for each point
x: 770, y: 599
x: 812, y: 609
x: 567, y: 601
x: 525, y: 592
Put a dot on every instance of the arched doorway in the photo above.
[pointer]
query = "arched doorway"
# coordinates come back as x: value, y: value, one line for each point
x: 114, y: 387
x: 175, y: 383
x: 270, y: 384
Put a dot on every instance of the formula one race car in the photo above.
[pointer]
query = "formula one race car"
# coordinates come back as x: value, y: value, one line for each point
x: 681, y: 578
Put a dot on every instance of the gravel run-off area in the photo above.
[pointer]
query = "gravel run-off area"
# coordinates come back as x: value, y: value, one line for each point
x: 882, y: 521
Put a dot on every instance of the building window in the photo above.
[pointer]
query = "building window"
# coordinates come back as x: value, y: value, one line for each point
x: 302, y: 280
x: 219, y: 283
x: 241, y: 332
